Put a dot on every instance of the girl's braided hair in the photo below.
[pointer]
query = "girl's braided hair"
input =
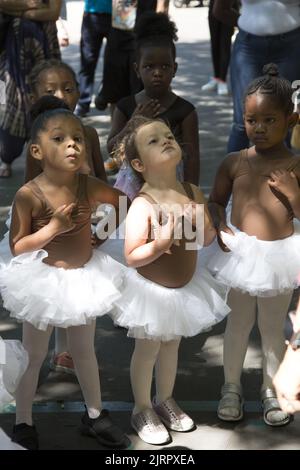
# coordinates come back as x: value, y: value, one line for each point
x: 270, y: 83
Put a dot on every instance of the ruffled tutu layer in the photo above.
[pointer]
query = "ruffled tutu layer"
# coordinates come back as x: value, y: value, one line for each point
x: 45, y: 295
x: 159, y: 313
x: 13, y: 363
x: 261, y: 268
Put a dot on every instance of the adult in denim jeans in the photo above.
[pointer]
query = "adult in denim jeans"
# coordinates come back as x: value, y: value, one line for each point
x: 269, y: 31
x: 96, y: 25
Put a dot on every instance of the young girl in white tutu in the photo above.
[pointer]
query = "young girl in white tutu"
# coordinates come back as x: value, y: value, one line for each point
x: 261, y: 239
x: 55, y: 279
x: 167, y: 296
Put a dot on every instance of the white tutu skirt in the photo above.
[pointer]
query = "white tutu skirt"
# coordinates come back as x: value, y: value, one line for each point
x: 261, y: 268
x: 149, y: 310
x: 45, y: 295
x: 13, y: 363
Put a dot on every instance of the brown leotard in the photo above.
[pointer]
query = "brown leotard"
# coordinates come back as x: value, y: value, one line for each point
x: 258, y: 209
x: 70, y: 249
x: 175, y: 269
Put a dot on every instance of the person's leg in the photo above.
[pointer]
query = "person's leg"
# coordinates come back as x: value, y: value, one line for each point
x: 95, y: 422
x: 94, y: 28
x: 225, y: 36
x: 166, y: 370
x: 215, y: 30
x: 165, y: 374
x: 36, y: 344
x: 248, y: 57
x: 10, y: 148
x: 240, y: 322
x: 144, y: 419
x: 272, y: 312
x: 81, y: 348
x: 141, y: 371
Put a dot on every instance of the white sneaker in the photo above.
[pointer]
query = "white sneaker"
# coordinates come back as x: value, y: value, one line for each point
x: 173, y: 417
x: 212, y: 85
x: 222, y: 89
x: 149, y: 427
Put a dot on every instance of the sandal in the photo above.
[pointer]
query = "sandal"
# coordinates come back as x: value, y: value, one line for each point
x: 231, y: 404
x: 273, y: 414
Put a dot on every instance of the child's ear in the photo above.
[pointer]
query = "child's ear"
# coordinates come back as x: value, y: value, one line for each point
x: 137, y: 165
x: 175, y: 68
x: 293, y: 119
x: 35, y: 151
x: 136, y: 68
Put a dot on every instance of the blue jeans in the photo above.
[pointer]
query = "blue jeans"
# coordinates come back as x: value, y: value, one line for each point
x: 95, y: 27
x: 249, y: 54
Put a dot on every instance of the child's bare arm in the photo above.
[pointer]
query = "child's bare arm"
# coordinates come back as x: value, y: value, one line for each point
x: 32, y: 166
x: 119, y: 121
x: 139, y: 252
x: 21, y: 239
x: 209, y: 230
x: 97, y: 159
x: 190, y: 137
x: 222, y: 189
x: 220, y: 195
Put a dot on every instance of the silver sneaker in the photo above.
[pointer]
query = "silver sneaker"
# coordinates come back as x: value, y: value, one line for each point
x: 173, y: 416
x: 149, y: 427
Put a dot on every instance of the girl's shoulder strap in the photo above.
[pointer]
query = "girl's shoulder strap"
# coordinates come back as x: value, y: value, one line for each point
x: 36, y: 190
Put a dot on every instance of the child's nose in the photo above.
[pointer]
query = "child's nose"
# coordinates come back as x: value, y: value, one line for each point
x: 157, y: 71
x: 59, y: 94
x: 71, y: 142
x: 260, y: 127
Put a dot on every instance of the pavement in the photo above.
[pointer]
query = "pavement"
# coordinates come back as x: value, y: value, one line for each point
x: 58, y: 403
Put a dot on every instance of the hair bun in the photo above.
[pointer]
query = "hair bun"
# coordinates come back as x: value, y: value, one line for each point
x: 46, y: 103
x: 152, y: 24
x: 271, y: 70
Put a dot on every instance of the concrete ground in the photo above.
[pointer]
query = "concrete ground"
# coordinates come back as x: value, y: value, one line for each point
x: 58, y: 403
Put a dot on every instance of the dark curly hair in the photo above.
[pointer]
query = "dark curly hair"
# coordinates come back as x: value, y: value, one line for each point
x: 155, y: 29
x: 270, y: 83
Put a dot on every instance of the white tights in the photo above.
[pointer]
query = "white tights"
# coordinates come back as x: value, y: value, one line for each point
x: 271, y: 315
x: 81, y: 347
x: 146, y: 355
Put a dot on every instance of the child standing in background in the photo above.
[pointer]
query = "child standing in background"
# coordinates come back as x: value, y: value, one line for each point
x: 156, y: 66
